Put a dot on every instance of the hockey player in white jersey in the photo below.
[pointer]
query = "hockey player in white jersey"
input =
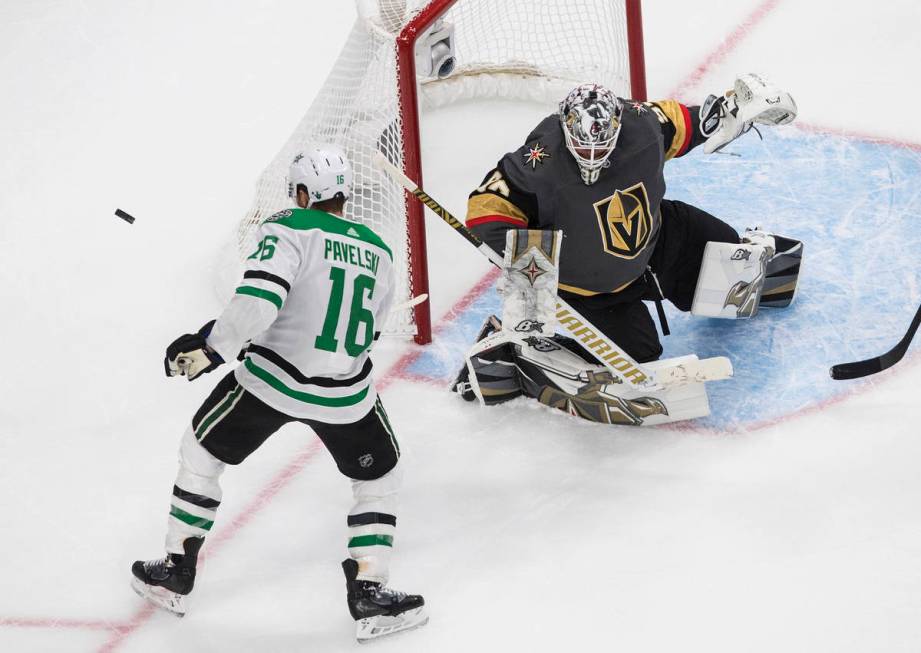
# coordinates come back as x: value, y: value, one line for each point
x: 308, y: 303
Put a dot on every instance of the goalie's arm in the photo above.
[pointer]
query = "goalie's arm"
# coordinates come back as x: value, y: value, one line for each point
x: 678, y: 123
x: 498, y: 205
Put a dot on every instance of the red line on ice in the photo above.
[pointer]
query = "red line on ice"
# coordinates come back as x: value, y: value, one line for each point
x: 857, y: 387
x: 85, y: 624
x: 281, y: 480
x: 860, y: 136
x: 276, y: 485
x: 399, y: 371
x: 728, y: 44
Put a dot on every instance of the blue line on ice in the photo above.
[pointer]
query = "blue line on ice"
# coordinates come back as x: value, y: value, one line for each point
x: 857, y: 207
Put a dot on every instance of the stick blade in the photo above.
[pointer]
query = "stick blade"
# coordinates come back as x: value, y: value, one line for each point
x: 693, y: 371
x: 855, y: 370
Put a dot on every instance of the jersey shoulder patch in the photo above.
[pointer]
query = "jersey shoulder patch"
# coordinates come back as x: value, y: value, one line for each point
x: 281, y: 215
x: 535, y: 155
x: 538, y: 156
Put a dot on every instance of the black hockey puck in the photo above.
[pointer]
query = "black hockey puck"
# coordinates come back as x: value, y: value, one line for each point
x: 124, y: 216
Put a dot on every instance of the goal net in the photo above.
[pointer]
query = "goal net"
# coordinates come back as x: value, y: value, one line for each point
x: 406, y: 56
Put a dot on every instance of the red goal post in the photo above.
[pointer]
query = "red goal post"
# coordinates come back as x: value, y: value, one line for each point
x: 529, y: 49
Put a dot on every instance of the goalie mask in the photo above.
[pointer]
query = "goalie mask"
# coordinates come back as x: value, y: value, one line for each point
x: 323, y: 170
x: 590, y: 117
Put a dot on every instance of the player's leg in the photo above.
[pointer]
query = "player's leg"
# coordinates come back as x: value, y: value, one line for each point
x: 734, y: 280
x: 229, y: 426
x: 622, y: 318
x: 367, y: 452
x: 676, y: 261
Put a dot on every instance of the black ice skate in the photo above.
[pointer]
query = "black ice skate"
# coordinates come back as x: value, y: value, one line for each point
x: 379, y: 610
x: 166, y: 582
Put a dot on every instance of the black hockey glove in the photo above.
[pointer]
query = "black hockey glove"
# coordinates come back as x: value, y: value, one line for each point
x: 189, y: 355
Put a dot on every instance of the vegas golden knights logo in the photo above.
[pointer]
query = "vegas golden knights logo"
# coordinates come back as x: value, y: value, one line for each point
x: 625, y: 221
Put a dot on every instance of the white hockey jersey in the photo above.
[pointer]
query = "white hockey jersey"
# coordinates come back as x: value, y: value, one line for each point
x: 310, y: 298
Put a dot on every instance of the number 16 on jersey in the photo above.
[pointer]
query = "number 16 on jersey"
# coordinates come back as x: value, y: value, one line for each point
x: 359, y: 333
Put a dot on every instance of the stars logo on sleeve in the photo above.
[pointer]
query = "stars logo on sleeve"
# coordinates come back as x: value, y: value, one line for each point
x: 639, y: 107
x: 535, y: 155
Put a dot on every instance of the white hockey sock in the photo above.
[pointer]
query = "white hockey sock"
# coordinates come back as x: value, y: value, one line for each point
x: 196, y: 494
x: 372, y: 523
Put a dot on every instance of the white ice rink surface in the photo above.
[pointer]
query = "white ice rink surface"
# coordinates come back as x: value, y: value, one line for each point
x: 523, y: 528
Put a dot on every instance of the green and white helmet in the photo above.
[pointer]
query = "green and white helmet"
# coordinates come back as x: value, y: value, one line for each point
x: 323, y: 170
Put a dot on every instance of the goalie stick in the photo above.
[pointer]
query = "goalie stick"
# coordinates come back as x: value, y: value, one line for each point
x: 590, y: 338
x: 857, y: 369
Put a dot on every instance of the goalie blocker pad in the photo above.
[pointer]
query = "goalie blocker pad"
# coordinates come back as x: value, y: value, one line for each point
x: 736, y: 279
x: 528, y: 284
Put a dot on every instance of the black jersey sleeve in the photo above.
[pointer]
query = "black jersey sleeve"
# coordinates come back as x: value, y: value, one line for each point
x: 508, y: 197
x: 498, y: 205
x: 679, y: 126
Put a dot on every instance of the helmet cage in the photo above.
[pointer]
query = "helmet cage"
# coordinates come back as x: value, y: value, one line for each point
x: 590, y: 118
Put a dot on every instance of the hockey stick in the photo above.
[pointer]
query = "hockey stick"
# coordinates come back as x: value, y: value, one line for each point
x: 857, y: 369
x: 405, y: 306
x: 627, y: 370
x: 603, y: 349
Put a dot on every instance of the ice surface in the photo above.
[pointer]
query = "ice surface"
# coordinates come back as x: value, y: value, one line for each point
x: 787, y: 521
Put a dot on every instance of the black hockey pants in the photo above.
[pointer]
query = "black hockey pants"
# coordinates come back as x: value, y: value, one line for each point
x: 232, y: 423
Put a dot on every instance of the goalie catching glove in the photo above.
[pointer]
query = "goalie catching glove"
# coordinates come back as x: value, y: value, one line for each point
x: 751, y: 100
x: 189, y: 355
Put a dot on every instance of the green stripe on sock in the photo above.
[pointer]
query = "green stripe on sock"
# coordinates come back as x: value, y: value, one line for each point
x: 277, y: 384
x: 261, y: 294
x: 191, y: 520
x: 371, y: 540
x: 218, y: 412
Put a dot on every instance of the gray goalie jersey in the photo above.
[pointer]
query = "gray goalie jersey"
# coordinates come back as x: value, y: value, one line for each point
x: 609, y: 228
x: 310, y: 299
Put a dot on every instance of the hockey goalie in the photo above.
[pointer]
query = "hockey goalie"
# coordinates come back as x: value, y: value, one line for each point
x: 579, y: 212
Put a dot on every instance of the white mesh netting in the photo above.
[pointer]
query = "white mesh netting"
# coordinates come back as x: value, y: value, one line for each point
x: 526, y: 49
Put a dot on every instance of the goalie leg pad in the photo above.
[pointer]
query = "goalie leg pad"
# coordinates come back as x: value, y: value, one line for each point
x: 491, y: 373
x: 501, y: 368
x: 462, y: 384
x: 731, y: 280
x: 782, y: 275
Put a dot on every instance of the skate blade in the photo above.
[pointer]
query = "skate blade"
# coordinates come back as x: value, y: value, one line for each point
x: 170, y: 601
x: 383, y: 626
